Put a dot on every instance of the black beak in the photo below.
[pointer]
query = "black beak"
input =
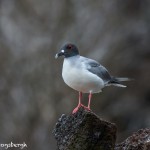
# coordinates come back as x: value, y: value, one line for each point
x: 61, y: 53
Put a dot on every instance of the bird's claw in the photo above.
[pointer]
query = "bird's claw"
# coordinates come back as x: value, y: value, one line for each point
x: 79, y: 106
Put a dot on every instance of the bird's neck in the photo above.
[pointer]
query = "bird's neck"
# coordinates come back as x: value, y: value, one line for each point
x: 72, y: 57
x: 71, y: 60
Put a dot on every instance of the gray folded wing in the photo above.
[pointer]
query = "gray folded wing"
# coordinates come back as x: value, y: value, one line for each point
x: 95, y: 68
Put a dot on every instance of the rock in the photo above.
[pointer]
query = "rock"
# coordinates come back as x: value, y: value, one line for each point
x: 138, y: 141
x: 84, y: 131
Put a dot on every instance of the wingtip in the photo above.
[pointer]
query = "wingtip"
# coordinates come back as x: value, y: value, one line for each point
x: 121, y: 85
x: 122, y: 79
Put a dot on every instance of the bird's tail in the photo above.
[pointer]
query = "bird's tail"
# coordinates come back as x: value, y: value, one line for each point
x: 117, y: 81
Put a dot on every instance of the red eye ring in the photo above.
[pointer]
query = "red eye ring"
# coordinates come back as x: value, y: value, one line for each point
x: 69, y: 47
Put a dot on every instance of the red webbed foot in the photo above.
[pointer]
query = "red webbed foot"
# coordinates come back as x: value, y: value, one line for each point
x: 77, y: 108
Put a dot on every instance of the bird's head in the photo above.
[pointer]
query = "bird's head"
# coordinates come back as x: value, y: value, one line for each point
x: 68, y: 50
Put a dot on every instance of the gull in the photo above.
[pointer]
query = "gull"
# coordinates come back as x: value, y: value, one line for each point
x: 85, y: 75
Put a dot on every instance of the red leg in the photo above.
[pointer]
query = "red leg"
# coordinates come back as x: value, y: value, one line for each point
x: 89, y: 103
x: 80, y: 97
x: 79, y: 103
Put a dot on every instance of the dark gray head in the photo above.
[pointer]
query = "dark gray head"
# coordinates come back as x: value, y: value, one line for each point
x: 68, y: 50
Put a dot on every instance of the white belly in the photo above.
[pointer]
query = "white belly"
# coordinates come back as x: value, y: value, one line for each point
x: 82, y: 80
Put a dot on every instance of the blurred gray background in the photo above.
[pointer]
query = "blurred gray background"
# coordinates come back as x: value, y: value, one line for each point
x: 32, y: 93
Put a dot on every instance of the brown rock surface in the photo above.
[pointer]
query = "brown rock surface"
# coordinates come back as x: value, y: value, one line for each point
x: 84, y: 131
x: 140, y: 140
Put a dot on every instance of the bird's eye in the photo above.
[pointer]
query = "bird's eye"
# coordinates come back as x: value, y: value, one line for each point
x: 69, y: 47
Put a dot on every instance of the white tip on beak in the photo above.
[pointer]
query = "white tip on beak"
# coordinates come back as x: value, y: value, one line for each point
x: 61, y: 53
x: 56, y: 56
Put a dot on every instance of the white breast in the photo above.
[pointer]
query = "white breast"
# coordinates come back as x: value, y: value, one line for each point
x: 77, y: 77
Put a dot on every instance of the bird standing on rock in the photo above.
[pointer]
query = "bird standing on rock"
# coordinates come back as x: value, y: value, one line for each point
x: 85, y: 75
